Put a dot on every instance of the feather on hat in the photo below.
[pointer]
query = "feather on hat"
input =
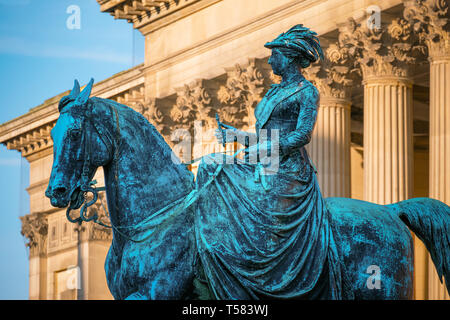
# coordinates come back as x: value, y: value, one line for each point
x: 300, y: 40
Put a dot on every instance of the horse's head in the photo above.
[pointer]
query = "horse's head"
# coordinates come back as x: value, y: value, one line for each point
x: 78, y: 149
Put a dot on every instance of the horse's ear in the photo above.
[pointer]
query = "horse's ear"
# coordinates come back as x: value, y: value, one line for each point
x: 76, y: 90
x: 84, y: 95
x: 73, y: 95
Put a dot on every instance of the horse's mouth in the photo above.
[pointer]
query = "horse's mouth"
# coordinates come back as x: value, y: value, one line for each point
x: 76, y: 198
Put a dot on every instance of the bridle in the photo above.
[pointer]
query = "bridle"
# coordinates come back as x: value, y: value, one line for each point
x: 86, y: 185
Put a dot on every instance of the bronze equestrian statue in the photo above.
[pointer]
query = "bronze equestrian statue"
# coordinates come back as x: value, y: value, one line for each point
x: 241, y: 229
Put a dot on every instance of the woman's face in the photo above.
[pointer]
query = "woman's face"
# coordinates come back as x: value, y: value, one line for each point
x: 279, y: 62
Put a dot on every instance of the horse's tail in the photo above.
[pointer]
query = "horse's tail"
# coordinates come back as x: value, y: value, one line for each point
x: 429, y: 219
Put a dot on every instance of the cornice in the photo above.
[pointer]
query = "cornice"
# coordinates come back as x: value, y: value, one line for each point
x: 150, y: 15
x: 259, y: 22
x: 32, y: 141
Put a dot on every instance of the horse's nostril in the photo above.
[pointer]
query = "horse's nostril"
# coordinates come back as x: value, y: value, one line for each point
x: 48, y: 192
x: 59, y: 191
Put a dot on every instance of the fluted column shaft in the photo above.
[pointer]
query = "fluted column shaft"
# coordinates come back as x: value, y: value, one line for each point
x: 440, y: 129
x: 388, y: 145
x: 439, y: 151
x: 329, y: 148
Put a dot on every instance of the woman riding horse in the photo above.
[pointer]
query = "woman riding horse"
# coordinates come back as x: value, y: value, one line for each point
x: 249, y: 230
x: 262, y: 235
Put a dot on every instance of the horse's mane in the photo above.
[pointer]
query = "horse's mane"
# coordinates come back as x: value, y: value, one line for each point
x: 148, y: 150
x: 132, y: 118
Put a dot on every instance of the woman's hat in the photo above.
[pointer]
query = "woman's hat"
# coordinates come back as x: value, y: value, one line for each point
x: 300, y: 42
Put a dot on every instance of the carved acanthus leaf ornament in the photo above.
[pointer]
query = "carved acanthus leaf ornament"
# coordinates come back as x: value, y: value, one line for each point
x: 243, y: 90
x: 333, y: 76
x: 35, y: 229
x: 193, y: 103
x: 384, y: 51
x: 430, y: 21
x: 149, y: 109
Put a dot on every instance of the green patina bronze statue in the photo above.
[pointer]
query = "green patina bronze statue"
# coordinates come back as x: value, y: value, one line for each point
x: 252, y: 228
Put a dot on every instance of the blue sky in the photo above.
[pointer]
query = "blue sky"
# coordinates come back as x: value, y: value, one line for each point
x: 39, y: 58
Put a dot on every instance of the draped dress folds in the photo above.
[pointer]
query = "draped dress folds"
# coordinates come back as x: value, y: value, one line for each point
x: 275, y: 241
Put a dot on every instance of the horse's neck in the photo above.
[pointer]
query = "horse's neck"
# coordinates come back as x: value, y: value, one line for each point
x: 147, y: 178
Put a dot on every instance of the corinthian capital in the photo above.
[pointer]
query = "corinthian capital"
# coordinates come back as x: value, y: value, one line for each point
x: 193, y: 103
x: 152, y: 112
x: 35, y: 229
x: 243, y: 90
x: 384, y: 51
x: 334, y: 76
x: 430, y: 21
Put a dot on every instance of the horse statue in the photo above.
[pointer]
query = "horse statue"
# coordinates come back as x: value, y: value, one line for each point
x: 152, y: 206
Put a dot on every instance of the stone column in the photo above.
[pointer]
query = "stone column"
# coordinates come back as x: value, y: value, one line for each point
x: 440, y: 127
x: 388, y: 145
x: 439, y: 147
x: 329, y: 148
x: 383, y: 58
x: 431, y: 23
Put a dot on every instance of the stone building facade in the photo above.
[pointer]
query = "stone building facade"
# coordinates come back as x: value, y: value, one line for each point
x: 382, y: 132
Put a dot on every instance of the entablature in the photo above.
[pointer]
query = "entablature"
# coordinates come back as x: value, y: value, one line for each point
x: 149, y: 15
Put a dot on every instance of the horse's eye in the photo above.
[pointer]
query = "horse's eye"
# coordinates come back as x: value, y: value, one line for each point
x: 75, y: 134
